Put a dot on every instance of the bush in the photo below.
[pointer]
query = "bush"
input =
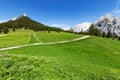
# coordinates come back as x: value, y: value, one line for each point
x: 119, y: 38
x: 5, y: 30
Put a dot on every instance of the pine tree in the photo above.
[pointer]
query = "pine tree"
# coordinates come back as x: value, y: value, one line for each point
x: 97, y: 32
x: 104, y: 35
x: 0, y: 29
x: 92, y: 30
x: 109, y: 35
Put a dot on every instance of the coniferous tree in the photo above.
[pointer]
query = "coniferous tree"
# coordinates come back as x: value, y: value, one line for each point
x: 119, y: 38
x: 0, y: 28
x: 104, y: 35
x: 97, y: 32
x: 92, y: 30
x: 14, y: 29
x: 109, y: 34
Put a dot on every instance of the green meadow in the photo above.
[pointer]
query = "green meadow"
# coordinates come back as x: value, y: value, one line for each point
x: 22, y: 37
x: 93, y: 58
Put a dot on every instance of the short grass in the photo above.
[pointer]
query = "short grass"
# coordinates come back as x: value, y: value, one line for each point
x: 55, y: 36
x: 21, y: 37
x: 90, y: 59
x: 14, y: 39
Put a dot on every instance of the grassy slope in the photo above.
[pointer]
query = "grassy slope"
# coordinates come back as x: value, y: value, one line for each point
x: 92, y: 59
x: 14, y: 39
x: 21, y: 37
x: 54, y: 36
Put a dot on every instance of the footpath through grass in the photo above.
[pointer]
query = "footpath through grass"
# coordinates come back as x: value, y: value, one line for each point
x: 22, y: 37
x: 55, y: 36
x: 90, y: 59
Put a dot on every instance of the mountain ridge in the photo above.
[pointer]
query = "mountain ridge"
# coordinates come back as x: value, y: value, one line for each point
x: 105, y: 24
x: 26, y: 22
x: 109, y: 23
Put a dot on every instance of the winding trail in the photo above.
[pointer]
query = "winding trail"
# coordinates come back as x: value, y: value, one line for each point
x: 34, y: 35
x: 35, y: 44
x: 3, y: 34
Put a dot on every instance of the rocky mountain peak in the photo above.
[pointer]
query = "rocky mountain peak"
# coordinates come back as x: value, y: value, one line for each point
x: 107, y: 17
x: 109, y: 23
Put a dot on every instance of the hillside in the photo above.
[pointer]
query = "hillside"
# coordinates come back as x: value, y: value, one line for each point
x: 26, y: 22
x: 22, y: 37
x: 94, y: 58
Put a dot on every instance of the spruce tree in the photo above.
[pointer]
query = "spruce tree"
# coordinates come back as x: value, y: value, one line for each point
x: 104, y: 35
x: 97, y: 32
x: 109, y: 35
x: 92, y: 30
x: 0, y: 29
x: 119, y: 38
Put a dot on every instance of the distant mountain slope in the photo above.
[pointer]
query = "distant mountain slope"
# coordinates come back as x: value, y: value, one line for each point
x: 24, y: 21
x: 82, y: 27
x: 104, y: 24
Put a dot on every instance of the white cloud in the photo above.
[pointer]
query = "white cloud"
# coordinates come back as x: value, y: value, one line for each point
x: 82, y: 27
x: 116, y: 11
x: 2, y: 20
x: 63, y: 26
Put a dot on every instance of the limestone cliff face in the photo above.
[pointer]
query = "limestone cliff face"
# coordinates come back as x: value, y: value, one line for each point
x: 109, y: 23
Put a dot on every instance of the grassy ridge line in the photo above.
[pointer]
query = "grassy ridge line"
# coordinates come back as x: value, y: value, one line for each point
x: 34, y: 44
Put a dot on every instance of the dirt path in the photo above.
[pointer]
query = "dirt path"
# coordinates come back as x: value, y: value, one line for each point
x: 34, y: 35
x: 3, y: 34
x: 15, y: 47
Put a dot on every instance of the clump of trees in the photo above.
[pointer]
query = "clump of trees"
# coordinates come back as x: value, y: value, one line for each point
x: 4, y: 29
x: 119, y: 38
x: 94, y: 31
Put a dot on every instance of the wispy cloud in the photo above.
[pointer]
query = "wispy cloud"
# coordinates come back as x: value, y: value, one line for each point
x: 2, y: 20
x: 117, y: 5
x: 116, y: 11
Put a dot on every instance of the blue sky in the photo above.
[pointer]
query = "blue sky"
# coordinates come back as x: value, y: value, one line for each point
x: 63, y: 13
